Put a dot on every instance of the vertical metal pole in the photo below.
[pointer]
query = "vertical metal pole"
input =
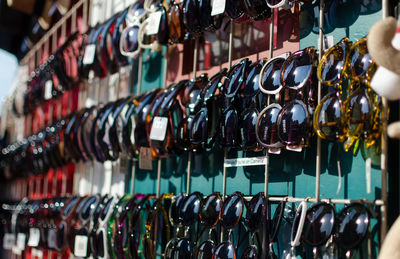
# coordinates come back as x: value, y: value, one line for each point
x: 189, y: 165
x: 138, y: 90
x: 320, y: 52
x: 384, y: 195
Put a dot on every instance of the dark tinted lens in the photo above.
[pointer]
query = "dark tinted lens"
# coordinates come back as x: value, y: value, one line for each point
x: 267, y: 130
x: 319, y: 224
x: 205, y: 250
x: 199, y: 131
x: 274, y: 2
x: 210, y: 210
x: 256, y: 9
x: 232, y: 211
x: 60, y: 235
x: 293, y: 123
x: 227, y: 133
x: 251, y: 252
x: 255, y: 212
x: 297, y: 70
x: 88, y: 207
x: 247, y: 127
x: 235, y: 78
x: 359, y: 113
x: 130, y: 41
x: 190, y: 209
x: 332, y: 68
x: 100, y: 244
x: 253, y: 77
x: 69, y: 206
x: 276, y: 222
x: 234, y: 9
x: 170, y: 248
x: 225, y: 250
x: 175, y: 209
x: 106, y: 208
x: 183, y: 249
x: 353, y: 226
x: 271, y: 76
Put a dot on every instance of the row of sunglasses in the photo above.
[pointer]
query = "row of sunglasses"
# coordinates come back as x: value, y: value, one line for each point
x: 264, y: 104
x: 187, y: 226
x: 106, y: 47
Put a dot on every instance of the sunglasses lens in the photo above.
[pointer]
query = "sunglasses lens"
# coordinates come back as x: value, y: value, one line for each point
x: 361, y: 61
x: 190, y: 209
x: 232, y: 211
x: 130, y: 41
x: 271, y: 76
x: 225, y: 250
x: 183, y: 249
x: 228, y: 128
x: 169, y: 249
x: 235, y: 79
x: 250, y: 252
x: 247, y: 126
x: 276, y: 221
x: 296, y: 223
x: 205, y: 250
x: 60, y: 235
x: 199, y: 132
x: 100, y: 244
x: 293, y: 123
x: 359, y: 113
x: 252, y: 80
x: 268, y: 130
x: 328, y: 118
x: 255, y: 212
x: 297, y: 70
x: 332, y: 67
x: 210, y: 211
x: 274, y: 2
x: 319, y: 224
x: 353, y: 226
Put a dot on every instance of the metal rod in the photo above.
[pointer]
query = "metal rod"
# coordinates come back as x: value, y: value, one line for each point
x: 158, y: 177
x: 314, y: 200
x: 385, y: 104
x: 320, y: 52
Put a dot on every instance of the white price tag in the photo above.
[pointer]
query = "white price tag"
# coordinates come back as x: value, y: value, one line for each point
x: 272, y: 150
x: 21, y: 241
x: 159, y: 128
x: 246, y: 161
x: 218, y: 7
x: 81, y: 243
x: 8, y: 241
x: 37, y: 253
x: 48, y: 90
x: 154, y: 23
x: 15, y: 250
x: 51, y: 238
x: 145, y: 158
x: 34, y: 237
x: 88, y: 57
x: 295, y: 149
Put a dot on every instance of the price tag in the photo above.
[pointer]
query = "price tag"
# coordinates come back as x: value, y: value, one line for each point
x: 48, y: 90
x: 124, y: 163
x: 218, y: 7
x: 88, y: 57
x: 159, y: 128
x: 51, y: 238
x: 8, y: 241
x: 21, y: 241
x: 145, y: 159
x: 272, y: 150
x: 295, y: 149
x: 15, y: 250
x: 154, y: 23
x: 37, y: 253
x: 246, y: 161
x: 81, y: 243
x: 34, y: 237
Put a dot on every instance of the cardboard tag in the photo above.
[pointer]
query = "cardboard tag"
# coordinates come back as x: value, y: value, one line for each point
x: 81, y: 243
x: 8, y: 241
x: 15, y: 250
x: 218, y: 7
x: 88, y: 57
x: 145, y: 159
x: 124, y: 163
x: 159, y: 128
x: 37, y: 253
x: 51, y: 238
x: 154, y: 23
x: 34, y: 237
x: 246, y: 161
x: 48, y: 90
x: 21, y: 241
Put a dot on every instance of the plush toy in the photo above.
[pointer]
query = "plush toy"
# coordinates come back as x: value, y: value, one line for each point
x: 391, y: 245
x: 384, y: 48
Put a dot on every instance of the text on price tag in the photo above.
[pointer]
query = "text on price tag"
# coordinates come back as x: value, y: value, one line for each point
x: 81, y: 243
x: 218, y: 7
x: 159, y: 128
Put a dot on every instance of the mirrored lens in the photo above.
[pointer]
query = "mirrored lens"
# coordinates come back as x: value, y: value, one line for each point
x: 361, y: 61
x: 130, y: 39
x: 225, y: 250
x: 183, y: 249
x: 205, y: 250
x: 175, y: 209
x: 190, y: 209
x: 359, y: 113
x: 293, y: 124
x: 319, y: 224
x: 267, y: 128
x: 332, y: 66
